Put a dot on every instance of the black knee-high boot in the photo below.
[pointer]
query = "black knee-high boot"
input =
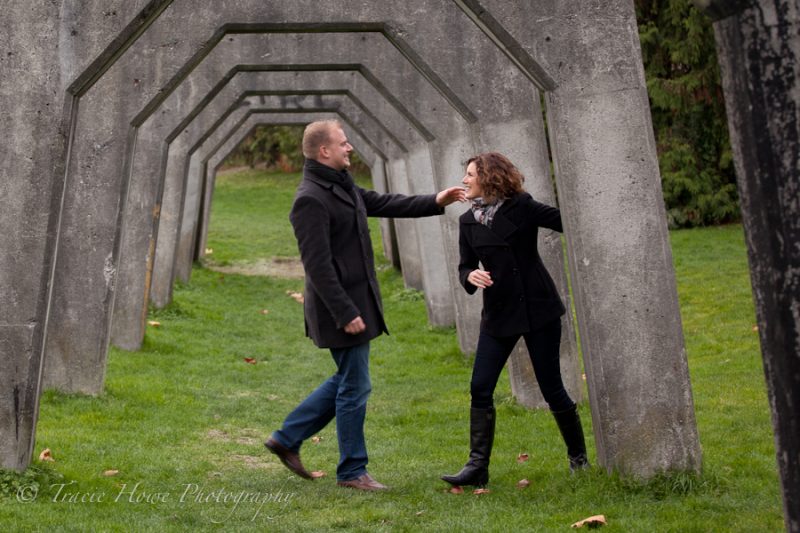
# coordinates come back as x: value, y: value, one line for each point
x: 569, y: 423
x: 481, y: 438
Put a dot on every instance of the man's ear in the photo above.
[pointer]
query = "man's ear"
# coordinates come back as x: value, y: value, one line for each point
x: 323, y: 152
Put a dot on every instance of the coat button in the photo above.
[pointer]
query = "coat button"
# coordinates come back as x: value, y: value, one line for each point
x: 521, y: 298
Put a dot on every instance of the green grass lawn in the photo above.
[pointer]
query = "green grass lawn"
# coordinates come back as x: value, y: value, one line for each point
x: 183, y: 420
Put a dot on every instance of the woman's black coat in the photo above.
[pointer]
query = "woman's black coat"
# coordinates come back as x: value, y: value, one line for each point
x: 523, y: 296
x: 330, y: 224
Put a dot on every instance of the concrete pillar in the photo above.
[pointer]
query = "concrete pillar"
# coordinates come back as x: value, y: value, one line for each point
x: 407, y: 238
x: 27, y: 180
x: 35, y: 106
x: 588, y: 59
x: 78, y: 324
x: 758, y: 44
x: 388, y: 233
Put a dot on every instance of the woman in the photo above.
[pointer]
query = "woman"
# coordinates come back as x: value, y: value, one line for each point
x: 519, y: 299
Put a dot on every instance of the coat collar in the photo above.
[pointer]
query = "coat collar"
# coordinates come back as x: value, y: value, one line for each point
x: 337, y: 190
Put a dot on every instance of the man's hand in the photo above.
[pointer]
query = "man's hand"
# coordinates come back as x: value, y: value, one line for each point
x: 448, y: 196
x: 480, y: 278
x: 355, y: 326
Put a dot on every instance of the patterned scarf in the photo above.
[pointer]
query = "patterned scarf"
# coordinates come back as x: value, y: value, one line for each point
x: 483, y: 212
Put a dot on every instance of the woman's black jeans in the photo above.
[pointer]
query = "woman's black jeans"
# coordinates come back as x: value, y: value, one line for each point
x: 543, y: 348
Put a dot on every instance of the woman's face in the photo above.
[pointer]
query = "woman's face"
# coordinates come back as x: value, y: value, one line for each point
x: 470, y: 181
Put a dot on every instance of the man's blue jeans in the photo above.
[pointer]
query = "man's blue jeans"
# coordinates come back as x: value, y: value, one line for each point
x: 343, y: 396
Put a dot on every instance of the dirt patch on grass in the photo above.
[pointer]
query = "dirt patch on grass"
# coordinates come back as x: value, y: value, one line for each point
x: 277, y: 267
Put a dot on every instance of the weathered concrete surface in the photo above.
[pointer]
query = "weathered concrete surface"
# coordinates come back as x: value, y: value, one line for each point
x: 759, y: 49
x: 615, y: 226
x: 45, y: 45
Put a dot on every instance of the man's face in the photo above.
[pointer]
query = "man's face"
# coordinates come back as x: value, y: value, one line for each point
x: 337, y: 150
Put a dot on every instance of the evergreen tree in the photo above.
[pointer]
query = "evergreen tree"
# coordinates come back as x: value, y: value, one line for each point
x: 688, y: 111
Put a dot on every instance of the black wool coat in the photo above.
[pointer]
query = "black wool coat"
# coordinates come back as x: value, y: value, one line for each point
x: 330, y: 224
x: 523, y: 296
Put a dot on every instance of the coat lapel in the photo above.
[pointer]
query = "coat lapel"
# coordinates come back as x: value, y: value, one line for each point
x: 502, y: 228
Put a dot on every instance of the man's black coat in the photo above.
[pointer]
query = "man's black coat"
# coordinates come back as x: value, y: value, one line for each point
x: 330, y: 224
x: 522, y: 297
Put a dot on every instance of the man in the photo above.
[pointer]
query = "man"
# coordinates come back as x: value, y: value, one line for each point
x: 343, y: 310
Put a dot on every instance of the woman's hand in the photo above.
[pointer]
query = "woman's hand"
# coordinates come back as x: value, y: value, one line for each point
x: 480, y: 278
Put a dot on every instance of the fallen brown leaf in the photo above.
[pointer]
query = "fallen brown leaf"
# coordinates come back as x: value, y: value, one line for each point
x: 315, y: 439
x: 109, y: 473
x: 296, y: 296
x: 153, y: 323
x: 755, y: 328
x: 46, y: 455
x: 521, y: 458
x: 420, y: 513
x: 317, y: 474
x: 456, y: 490
x: 591, y: 522
x: 583, y: 377
x: 481, y: 491
x: 250, y: 360
x: 523, y: 483
x: 264, y: 311
x: 209, y: 251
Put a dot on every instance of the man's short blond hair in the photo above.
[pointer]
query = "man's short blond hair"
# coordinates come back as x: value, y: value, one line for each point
x: 316, y: 134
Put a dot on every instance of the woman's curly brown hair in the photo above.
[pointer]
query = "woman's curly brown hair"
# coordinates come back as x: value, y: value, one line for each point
x: 497, y: 176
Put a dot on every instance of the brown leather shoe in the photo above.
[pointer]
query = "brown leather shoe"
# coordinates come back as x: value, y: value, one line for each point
x: 363, y: 482
x: 290, y: 459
